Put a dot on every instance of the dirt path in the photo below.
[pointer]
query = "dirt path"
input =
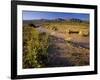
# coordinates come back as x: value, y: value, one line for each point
x: 76, y: 40
x: 59, y: 52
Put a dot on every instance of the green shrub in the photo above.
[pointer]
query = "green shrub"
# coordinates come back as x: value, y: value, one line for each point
x: 35, y: 47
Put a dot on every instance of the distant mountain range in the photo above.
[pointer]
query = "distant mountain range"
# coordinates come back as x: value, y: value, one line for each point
x: 39, y: 21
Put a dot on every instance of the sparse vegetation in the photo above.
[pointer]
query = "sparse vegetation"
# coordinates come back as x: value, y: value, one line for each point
x: 35, y: 47
x: 69, y: 39
x: 66, y: 26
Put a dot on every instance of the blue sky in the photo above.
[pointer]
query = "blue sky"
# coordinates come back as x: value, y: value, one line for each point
x: 31, y: 15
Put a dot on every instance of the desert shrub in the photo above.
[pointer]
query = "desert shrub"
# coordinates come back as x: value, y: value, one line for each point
x: 35, y: 47
x: 68, y: 40
x: 84, y: 34
x: 80, y: 33
x: 54, y: 28
x: 43, y: 55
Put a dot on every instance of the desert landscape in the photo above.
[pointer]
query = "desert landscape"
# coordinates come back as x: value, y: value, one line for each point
x: 55, y: 42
